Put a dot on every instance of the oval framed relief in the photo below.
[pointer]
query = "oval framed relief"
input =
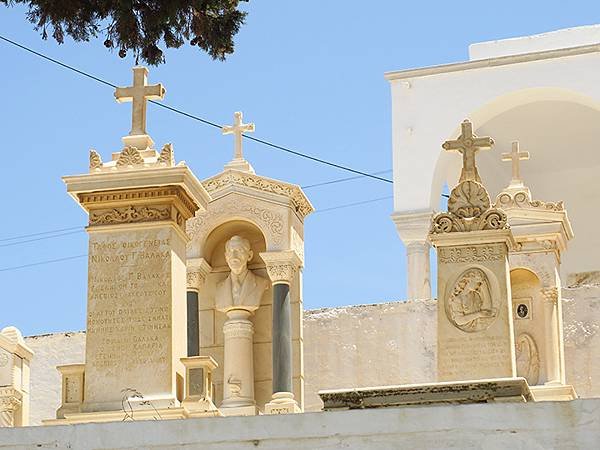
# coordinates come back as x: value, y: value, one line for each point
x: 470, y: 305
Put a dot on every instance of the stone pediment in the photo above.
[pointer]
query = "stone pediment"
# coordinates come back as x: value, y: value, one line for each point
x: 535, y: 220
x: 234, y: 180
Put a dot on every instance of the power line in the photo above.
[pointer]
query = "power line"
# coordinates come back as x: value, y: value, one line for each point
x: 49, y: 261
x: 348, y: 205
x: 341, y: 180
x: 199, y: 119
x: 41, y: 238
x: 40, y: 233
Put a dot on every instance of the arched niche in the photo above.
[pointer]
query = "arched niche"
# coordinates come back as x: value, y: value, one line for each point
x: 529, y: 325
x: 212, y: 321
x: 558, y: 127
x: 213, y: 249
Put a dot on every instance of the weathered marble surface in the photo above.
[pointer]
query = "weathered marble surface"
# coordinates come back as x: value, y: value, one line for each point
x: 452, y: 392
x: 561, y: 425
x: 357, y: 346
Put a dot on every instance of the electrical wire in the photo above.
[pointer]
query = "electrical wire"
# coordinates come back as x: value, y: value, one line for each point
x: 49, y: 261
x: 40, y: 233
x: 348, y: 205
x: 41, y: 238
x: 199, y: 119
x: 341, y: 180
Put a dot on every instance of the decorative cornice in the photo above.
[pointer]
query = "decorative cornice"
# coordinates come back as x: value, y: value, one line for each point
x: 236, y: 178
x: 281, y: 266
x: 139, y: 196
x: 522, y: 199
x: 492, y: 62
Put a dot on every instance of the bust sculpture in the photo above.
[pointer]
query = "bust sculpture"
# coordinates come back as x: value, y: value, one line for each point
x: 241, y: 289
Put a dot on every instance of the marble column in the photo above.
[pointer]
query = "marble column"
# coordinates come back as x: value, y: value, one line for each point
x: 238, y: 369
x: 413, y: 229
x: 418, y: 270
x: 197, y: 271
x: 282, y: 268
x: 551, y: 333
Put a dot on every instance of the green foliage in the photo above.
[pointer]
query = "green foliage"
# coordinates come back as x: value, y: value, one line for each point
x: 140, y: 26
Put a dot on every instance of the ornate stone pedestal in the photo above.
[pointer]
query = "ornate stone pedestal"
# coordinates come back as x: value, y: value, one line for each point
x: 198, y: 401
x: 238, y: 371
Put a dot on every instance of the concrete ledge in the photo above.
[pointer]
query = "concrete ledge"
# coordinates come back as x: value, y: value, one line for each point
x: 452, y: 392
x: 560, y: 425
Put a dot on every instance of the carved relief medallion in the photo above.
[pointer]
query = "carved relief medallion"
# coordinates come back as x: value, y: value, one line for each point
x: 528, y: 359
x: 470, y: 305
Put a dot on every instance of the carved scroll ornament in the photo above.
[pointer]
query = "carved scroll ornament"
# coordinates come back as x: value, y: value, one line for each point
x: 129, y: 214
x: 469, y: 210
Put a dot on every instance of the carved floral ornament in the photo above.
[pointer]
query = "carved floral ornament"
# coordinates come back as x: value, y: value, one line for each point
x: 131, y: 157
x: 270, y: 222
x: 522, y: 199
x: 281, y: 266
x: 233, y: 177
x: 469, y: 210
x: 129, y: 214
x: 281, y: 272
x: 470, y: 305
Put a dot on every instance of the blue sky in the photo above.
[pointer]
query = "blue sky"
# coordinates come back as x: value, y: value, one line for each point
x: 309, y: 74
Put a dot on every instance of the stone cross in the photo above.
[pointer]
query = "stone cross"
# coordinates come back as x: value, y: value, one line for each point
x: 138, y: 94
x: 237, y: 129
x: 468, y: 144
x: 516, y: 156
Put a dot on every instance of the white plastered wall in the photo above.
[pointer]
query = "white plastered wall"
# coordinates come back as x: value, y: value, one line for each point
x: 548, y: 99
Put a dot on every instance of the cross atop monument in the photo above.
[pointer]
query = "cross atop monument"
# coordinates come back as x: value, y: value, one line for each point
x: 237, y: 129
x: 468, y: 144
x: 516, y: 156
x: 138, y: 94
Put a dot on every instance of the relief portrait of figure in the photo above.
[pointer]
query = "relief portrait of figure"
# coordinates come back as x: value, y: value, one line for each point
x: 469, y: 305
x: 241, y: 289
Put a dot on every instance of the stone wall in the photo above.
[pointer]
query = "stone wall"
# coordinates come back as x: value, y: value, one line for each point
x: 551, y: 425
x: 364, y: 345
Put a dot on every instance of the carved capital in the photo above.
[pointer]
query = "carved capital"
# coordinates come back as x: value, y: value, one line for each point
x: 197, y: 271
x: 550, y: 295
x: 10, y: 399
x: 281, y: 266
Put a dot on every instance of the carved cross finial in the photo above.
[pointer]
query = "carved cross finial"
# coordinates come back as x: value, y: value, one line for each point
x: 237, y: 129
x: 516, y: 156
x: 468, y: 144
x: 138, y: 94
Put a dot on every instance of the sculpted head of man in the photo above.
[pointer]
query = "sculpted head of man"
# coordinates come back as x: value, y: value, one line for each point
x: 238, y: 253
